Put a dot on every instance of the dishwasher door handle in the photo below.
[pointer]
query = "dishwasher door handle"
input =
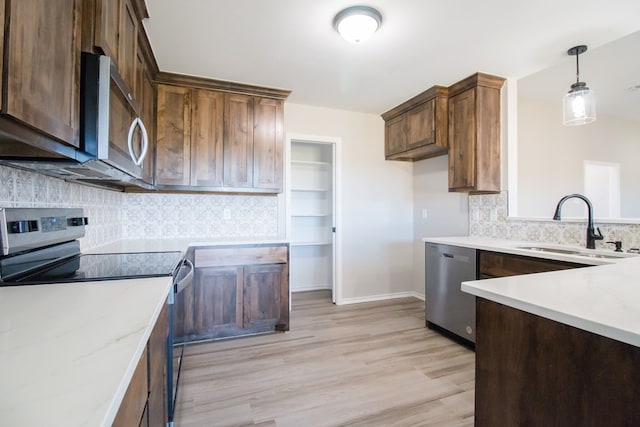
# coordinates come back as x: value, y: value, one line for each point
x: 452, y: 257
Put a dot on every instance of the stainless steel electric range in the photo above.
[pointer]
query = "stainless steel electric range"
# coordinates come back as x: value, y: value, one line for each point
x: 40, y: 246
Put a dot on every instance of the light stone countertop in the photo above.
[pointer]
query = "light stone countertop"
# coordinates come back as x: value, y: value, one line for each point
x: 603, y: 299
x: 68, y: 351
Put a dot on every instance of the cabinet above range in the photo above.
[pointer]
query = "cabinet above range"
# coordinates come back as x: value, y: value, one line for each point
x: 64, y: 114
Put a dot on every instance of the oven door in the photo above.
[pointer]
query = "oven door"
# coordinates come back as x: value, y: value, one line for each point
x: 175, y: 351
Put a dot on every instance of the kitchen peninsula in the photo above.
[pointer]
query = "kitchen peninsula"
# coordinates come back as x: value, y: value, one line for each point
x: 557, y: 348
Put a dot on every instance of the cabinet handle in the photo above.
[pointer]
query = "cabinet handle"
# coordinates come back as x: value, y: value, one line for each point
x: 145, y: 141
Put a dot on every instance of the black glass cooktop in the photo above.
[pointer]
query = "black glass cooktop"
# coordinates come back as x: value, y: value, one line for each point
x: 92, y: 267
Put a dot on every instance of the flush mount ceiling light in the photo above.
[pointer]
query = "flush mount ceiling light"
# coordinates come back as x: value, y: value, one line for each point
x: 579, y: 104
x: 357, y: 23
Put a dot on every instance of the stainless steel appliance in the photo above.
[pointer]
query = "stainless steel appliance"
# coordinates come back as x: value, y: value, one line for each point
x: 113, y: 138
x: 448, y: 309
x: 40, y: 246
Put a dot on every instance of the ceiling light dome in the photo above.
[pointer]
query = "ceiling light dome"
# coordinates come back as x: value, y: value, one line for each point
x: 357, y: 23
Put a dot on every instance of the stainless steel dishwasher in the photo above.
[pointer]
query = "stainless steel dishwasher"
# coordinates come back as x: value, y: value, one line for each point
x: 447, y: 307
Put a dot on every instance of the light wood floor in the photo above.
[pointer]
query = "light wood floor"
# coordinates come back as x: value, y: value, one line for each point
x: 370, y: 364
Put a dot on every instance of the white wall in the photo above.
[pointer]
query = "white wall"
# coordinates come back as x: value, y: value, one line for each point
x: 447, y: 214
x: 544, y: 178
x: 377, y: 202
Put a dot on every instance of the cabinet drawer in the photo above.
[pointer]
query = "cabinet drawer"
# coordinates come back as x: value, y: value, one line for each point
x: 232, y: 255
x: 494, y: 264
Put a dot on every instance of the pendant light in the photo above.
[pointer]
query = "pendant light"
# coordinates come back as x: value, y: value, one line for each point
x: 357, y: 23
x: 579, y: 104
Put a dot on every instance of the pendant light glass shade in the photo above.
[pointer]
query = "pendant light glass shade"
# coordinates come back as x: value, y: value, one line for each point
x: 579, y: 107
x: 579, y: 104
x: 357, y: 23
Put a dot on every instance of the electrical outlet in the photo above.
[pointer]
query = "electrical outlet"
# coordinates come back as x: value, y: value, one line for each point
x: 226, y: 214
x: 493, y: 215
x: 475, y: 214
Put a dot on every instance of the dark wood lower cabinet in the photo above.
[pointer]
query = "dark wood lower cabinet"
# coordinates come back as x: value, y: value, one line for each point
x: 218, y: 301
x: 498, y: 264
x: 144, y: 403
x: 157, y: 404
x: 133, y: 407
x: 263, y: 295
x: 237, y: 290
x: 532, y: 371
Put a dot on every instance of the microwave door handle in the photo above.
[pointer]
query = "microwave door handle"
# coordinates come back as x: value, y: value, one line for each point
x: 145, y: 141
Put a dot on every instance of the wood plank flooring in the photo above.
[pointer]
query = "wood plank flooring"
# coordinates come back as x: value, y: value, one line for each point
x: 369, y: 364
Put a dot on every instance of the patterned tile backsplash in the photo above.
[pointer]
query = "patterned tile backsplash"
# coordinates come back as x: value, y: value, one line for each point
x: 488, y: 217
x: 24, y: 189
x: 114, y: 215
x: 199, y: 215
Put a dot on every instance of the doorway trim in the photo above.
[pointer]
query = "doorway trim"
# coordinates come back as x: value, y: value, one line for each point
x: 337, y: 194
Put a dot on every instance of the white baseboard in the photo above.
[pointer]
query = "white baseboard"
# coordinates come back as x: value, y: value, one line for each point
x: 381, y: 297
x: 312, y: 288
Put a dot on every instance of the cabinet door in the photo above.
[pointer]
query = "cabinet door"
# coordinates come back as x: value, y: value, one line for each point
x: 173, y: 135
x: 107, y: 26
x: 263, y: 297
x: 267, y: 143
x: 128, y: 44
x: 218, y: 300
x: 238, y: 141
x: 42, y: 66
x: 134, y: 402
x: 462, y: 141
x: 206, y: 138
x: 421, y: 125
x: 157, y: 408
x: 395, y: 135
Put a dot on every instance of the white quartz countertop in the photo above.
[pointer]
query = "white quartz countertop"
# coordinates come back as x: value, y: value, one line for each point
x: 603, y: 299
x: 163, y: 245
x: 68, y: 351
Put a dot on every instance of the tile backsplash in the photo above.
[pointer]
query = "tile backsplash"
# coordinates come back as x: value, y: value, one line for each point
x: 23, y: 189
x: 114, y: 215
x: 488, y: 217
x: 199, y: 216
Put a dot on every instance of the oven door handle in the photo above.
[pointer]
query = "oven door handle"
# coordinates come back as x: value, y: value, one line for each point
x: 186, y: 280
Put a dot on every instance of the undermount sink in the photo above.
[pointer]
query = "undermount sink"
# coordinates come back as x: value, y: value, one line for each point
x: 591, y: 253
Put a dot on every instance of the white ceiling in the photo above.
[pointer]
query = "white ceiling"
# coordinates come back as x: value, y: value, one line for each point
x: 291, y: 44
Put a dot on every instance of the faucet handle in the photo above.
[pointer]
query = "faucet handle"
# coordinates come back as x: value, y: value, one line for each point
x: 599, y: 235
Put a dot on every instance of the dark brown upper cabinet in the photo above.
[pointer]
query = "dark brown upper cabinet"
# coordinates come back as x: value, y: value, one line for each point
x: 41, y: 69
x: 417, y: 128
x: 219, y: 136
x: 474, y: 134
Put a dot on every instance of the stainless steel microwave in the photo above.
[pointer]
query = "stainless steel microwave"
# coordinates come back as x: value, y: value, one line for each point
x: 113, y: 137
x: 110, y: 117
